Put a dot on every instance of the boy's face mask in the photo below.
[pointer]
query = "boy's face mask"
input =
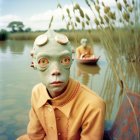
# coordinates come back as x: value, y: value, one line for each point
x: 84, y: 42
x: 52, y: 56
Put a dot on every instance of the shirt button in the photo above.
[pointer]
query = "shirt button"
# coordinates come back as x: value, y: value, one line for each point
x: 59, y: 134
x: 51, y: 127
x: 57, y: 118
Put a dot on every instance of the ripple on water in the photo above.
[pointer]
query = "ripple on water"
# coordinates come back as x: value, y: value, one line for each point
x: 2, y: 130
x: 8, y: 113
x: 5, y: 102
x: 4, y: 118
x: 21, y: 117
x: 3, y: 137
x: 7, y: 118
x: 10, y: 122
x: 20, y: 132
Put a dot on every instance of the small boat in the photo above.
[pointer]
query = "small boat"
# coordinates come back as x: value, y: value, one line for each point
x: 90, y: 61
x: 127, y: 123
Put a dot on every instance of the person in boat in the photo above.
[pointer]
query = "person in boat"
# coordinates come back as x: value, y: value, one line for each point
x: 84, y: 50
x: 61, y: 107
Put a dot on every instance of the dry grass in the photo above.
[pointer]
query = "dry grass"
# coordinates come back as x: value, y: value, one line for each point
x: 24, y: 35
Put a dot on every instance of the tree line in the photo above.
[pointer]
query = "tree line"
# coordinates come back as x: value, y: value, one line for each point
x: 18, y: 26
x: 14, y: 26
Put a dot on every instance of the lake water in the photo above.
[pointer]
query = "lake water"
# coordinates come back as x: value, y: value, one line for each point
x: 17, y: 79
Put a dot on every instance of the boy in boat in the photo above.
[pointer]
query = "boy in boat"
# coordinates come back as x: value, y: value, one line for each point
x: 84, y: 50
x: 61, y: 107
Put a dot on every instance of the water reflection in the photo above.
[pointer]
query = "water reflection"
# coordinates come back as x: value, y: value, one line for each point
x: 112, y: 93
x: 17, y: 47
x: 3, y: 46
x: 14, y: 46
x: 85, y: 71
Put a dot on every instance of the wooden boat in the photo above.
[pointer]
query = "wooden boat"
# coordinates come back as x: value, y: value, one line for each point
x: 127, y: 123
x: 90, y: 61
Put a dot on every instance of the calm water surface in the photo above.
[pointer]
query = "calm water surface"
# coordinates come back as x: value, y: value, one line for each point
x: 17, y: 79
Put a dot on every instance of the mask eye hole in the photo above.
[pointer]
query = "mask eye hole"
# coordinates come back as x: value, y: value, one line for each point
x: 65, y: 60
x: 43, y: 62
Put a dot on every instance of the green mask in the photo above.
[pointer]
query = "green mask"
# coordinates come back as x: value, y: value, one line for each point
x: 52, y: 56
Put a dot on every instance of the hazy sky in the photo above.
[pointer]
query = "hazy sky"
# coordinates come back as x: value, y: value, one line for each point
x: 35, y: 13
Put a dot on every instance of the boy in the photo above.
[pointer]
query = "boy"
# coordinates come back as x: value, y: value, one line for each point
x: 84, y: 50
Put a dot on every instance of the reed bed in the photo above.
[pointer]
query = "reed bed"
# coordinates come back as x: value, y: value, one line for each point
x: 24, y: 35
x: 118, y: 30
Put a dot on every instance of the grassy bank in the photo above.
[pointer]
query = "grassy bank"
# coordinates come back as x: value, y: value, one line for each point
x: 24, y: 35
x: 73, y: 36
x: 123, y: 42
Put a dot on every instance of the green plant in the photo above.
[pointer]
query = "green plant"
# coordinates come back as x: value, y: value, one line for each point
x: 3, y: 35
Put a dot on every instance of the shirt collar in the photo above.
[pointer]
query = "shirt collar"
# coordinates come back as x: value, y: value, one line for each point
x: 62, y: 102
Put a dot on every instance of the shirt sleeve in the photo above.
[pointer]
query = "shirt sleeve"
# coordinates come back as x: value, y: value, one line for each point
x: 78, y: 53
x: 93, y: 123
x: 35, y: 130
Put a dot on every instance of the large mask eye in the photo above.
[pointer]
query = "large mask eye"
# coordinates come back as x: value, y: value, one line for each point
x: 43, y: 62
x: 65, y: 61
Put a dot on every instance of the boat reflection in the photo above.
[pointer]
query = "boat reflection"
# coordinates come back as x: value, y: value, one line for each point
x: 85, y: 72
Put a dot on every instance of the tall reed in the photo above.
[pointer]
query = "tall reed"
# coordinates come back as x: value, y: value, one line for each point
x: 119, y: 32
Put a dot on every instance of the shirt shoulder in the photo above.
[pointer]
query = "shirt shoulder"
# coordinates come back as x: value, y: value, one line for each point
x: 79, y: 48
x: 37, y: 91
x: 90, y: 97
x: 37, y: 87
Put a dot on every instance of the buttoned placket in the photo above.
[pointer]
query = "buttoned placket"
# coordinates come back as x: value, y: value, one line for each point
x: 57, y: 119
x: 56, y: 124
x: 50, y: 123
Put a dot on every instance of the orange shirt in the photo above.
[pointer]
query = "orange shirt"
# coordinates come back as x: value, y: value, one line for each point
x: 77, y: 114
x: 81, y: 51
